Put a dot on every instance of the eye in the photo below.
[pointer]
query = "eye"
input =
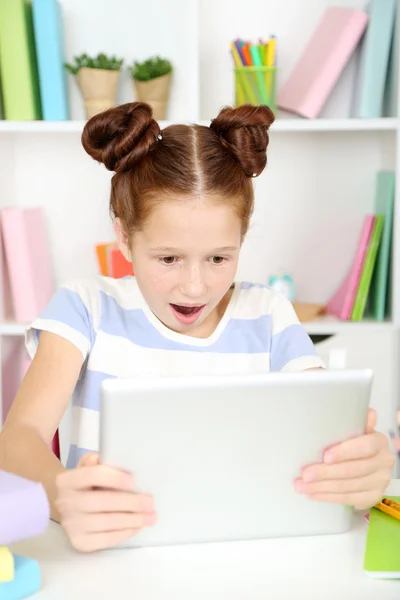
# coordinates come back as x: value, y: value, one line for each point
x: 168, y: 260
x: 218, y: 260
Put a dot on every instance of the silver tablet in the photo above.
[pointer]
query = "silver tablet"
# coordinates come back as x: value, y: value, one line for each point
x: 220, y: 454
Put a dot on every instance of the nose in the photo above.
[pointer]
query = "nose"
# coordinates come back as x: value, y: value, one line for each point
x: 193, y: 284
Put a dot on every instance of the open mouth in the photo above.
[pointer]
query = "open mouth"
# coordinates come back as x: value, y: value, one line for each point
x: 187, y: 314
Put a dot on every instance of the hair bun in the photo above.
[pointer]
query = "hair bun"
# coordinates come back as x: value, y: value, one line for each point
x: 121, y: 136
x: 243, y: 131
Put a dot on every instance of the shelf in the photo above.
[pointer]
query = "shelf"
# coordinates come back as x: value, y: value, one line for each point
x: 321, y: 125
x: 13, y: 329
x: 329, y: 326
x: 285, y: 125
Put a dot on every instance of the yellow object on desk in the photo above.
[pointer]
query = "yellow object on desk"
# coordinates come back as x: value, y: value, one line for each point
x: 6, y: 565
x: 390, y: 507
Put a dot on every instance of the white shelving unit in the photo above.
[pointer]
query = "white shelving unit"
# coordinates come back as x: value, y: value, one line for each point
x: 310, y: 201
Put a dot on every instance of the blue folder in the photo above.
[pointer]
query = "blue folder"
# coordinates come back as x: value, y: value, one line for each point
x: 49, y: 41
x: 374, y: 60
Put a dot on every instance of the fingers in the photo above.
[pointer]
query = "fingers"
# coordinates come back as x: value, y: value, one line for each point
x: 371, y: 421
x: 342, y: 486
x: 96, y: 476
x: 101, y: 541
x: 359, y: 500
x: 107, y: 522
x: 93, y: 501
x: 89, y: 459
x: 348, y: 469
x: 364, y: 446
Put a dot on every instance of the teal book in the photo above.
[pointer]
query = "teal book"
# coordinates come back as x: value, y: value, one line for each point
x: 360, y: 301
x: 384, y: 205
x: 374, y: 59
x: 49, y: 41
x: 18, y: 66
x: 382, y: 550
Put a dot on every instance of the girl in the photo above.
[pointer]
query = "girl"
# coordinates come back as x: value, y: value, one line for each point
x: 181, y: 200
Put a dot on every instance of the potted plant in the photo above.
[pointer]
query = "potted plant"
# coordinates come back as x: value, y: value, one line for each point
x: 98, y: 79
x: 152, y: 80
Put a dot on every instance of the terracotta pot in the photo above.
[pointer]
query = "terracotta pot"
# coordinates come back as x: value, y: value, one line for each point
x: 99, y: 89
x: 155, y: 92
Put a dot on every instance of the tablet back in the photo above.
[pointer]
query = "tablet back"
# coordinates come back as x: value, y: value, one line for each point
x: 220, y: 454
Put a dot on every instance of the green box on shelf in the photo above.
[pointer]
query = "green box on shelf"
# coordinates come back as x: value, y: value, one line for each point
x: 255, y: 85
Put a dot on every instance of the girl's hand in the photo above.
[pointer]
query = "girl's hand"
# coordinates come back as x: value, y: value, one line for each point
x: 97, y: 506
x: 355, y: 473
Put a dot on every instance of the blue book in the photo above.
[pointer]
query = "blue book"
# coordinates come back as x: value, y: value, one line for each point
x: 374, y: 59
x: 49, y: 41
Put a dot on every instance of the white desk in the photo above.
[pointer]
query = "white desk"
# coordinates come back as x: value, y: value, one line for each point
x: 329, y: 567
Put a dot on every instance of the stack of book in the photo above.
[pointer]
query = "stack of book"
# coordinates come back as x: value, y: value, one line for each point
x: 111, y: 261
x: 33, y: 76
x: 338, y: 35
x: 365, y: 291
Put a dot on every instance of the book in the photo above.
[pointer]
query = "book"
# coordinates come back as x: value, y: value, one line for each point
x: 328, y: 51
x: 382, y: 556
x: 342, y: 302
x: 360, y: 301
x: 384, y: 205
x: 28, y: 262
x: 374, y: 59
x: 18, y: 64
x: 49, y: 40
x: 118, y: 265
x: 102, y: 257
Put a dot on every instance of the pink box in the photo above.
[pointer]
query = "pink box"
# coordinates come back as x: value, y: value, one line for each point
x: 28, y: 262
x: 324, y: 58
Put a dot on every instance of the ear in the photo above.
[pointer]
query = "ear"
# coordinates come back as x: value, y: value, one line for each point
x: 122, y: 240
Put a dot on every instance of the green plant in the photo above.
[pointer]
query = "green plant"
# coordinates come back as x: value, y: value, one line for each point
x: 101, y: 61
x: 150, y: 68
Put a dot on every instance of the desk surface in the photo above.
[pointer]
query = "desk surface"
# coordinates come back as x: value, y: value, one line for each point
x: 328, y: 567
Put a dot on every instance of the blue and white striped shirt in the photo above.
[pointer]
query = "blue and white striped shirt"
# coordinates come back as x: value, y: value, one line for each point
x: 119, y: 337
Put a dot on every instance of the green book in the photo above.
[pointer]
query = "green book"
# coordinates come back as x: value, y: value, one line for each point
x: 18, y: 66
x: 360, y: 301
x: 382, y: 550
x: 384, y: 202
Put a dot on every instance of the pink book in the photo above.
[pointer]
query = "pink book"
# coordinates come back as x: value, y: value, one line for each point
x: 324, y: 58
x: 341, y: 303
x: 28, y: 261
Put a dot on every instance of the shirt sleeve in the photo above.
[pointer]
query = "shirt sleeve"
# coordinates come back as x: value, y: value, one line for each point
x: 291, y: 346
x: 69, y: 314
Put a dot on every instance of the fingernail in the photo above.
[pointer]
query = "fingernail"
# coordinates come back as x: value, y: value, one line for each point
x: 308, y: 476
x: 147, y: 504
x: 300, y: 486
x: 129, y: 482
x: 150, y: 519
x: 329, y: 458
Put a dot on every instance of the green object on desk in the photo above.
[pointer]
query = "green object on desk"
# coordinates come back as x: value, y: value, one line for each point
x: 382, y: 551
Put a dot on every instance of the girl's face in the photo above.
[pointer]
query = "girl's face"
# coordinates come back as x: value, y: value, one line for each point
x: 185, y: 260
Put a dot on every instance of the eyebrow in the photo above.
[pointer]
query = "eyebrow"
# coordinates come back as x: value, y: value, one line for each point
x: 176, y: 250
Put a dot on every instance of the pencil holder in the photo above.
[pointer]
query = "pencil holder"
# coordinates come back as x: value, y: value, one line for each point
x: 255, y: 85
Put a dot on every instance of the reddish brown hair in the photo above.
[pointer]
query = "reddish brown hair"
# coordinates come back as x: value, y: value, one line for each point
x: 179, y: 161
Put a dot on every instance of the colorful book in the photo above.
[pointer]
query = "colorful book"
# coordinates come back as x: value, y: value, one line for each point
x: 374, y: 60
x: 28, y: 261
x: 384, y: 205
x: 18, y: 65
x: 323, y: 60
x: 360, y: 301
x: 102, y: 257
x: 49, y: 39
x: 118, y: 265
x: 382, y: 556
x: 342, y: 302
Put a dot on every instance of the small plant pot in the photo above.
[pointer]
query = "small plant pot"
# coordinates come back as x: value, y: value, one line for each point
x: 156, y: 93
x: 99, y: 89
